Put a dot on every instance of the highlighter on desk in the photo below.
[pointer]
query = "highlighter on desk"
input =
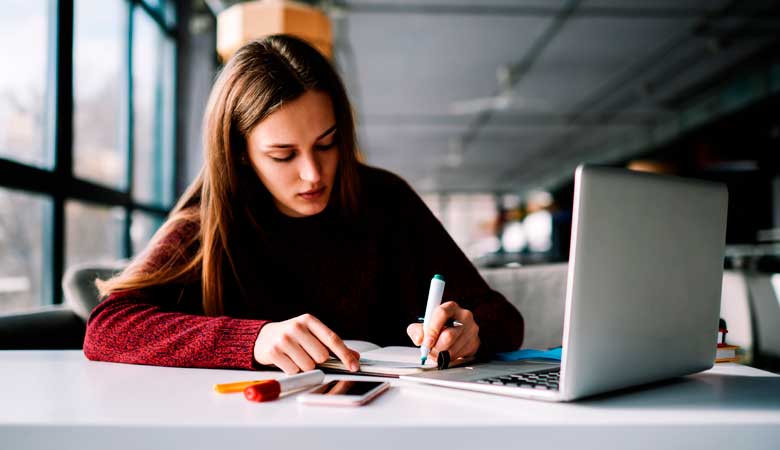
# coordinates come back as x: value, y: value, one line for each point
x: 264, y: 390
x: 435, y: 293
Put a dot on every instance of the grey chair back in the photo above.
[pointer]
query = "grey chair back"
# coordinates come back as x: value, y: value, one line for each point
x: 539, y: 293
x: 78, y: 284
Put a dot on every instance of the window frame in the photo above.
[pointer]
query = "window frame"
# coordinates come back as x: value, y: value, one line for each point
x: 59, y: 183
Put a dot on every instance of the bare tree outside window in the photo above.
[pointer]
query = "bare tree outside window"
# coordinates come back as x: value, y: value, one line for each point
x: 100, y: 92
x: 153, y: 84
x: 24, y: 217
x: 23, y: 89
x: 23, y: 262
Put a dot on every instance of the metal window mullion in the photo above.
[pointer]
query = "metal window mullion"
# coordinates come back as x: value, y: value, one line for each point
x: 178, y: 151
x: 63, y: 137
x: 127, y: 242
x: 157, y: 16
x: 183, y: 41
x: 173, y: 174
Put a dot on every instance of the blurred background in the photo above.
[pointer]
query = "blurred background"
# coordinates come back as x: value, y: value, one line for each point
x: 485, y: 108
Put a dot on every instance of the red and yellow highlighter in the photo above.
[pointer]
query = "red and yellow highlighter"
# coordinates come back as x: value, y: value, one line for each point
x: 265, y: 390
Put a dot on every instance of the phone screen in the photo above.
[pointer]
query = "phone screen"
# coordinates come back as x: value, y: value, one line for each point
x: 346, y: 387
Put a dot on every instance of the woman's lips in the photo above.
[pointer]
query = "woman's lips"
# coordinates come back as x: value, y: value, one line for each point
x: 313, y: 194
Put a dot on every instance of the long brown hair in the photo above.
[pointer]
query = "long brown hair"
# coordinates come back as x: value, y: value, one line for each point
x: 258, y: 80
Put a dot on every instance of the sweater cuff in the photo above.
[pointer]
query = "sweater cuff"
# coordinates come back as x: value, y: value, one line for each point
x: 236, y: 342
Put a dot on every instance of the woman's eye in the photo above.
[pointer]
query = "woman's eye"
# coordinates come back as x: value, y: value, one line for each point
x: 285, y: 159
x: 325, y: 147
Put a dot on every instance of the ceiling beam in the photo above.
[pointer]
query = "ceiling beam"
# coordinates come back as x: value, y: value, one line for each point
x: 480, y: 9
x: 625, y: 84
x: 519, y: 69
x: 517, y: 120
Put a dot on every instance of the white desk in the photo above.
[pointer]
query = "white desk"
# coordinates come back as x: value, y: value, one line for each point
x: 60, y: 400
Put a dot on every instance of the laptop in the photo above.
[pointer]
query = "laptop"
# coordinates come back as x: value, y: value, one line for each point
x: 642, y: 296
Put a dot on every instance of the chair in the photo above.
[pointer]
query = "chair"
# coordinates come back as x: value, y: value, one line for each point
x: 748, y: 304
x: 764, y: 295
x: 539, y: 293
x: 78, y: 285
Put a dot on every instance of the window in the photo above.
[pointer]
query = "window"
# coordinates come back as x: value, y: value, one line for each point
x: 23, y: 90
x: 25, y: 220
x: 153, y: 72
x: 86, y: 137
x: 143, y: 228
x: 93, y: 233
x: 100, y: 92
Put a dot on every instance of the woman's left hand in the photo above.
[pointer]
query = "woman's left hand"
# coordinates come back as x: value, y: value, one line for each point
x: 460, y: 340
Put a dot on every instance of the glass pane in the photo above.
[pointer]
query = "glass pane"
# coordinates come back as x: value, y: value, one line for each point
x: 169, y: 13
x: 143, y: 228
x: 153, y: 97
x: 92, y: 233
x: 24, y: 262
x: 166, y: 9
x: 23, y: 82
x: 100, y: 92
x: 154, y: 4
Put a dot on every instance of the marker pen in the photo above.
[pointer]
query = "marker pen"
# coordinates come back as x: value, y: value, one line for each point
x: 263, y: 390
x: 435, y: 293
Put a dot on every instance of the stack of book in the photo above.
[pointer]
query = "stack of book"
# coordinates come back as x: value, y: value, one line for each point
x: 725, y: 352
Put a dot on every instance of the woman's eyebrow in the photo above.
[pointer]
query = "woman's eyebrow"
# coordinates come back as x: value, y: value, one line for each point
x: 327, y: 132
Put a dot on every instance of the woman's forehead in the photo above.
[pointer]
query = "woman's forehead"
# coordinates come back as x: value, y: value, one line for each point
x: 304, y: 118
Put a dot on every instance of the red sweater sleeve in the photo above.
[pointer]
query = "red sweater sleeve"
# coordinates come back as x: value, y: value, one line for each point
x: 145, y: 327
x: 128, y: 328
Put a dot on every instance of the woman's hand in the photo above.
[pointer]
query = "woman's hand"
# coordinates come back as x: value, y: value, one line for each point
x: 299, y: 344
x: 461, y: 340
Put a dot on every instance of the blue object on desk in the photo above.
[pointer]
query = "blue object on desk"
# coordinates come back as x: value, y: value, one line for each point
x: 530, y: 353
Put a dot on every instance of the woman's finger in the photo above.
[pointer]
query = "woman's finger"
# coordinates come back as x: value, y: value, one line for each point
x: 439, y: 318
x: 415, y: 332
x: 333, y: 342
x: 356, y: 354
x: 466, y: 345
x: 312, y: 346
x: 447, y: 338
x: 297, y: 354
x: 281, y: 361
x: 463, y: 316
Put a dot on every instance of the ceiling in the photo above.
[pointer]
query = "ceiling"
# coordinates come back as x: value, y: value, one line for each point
x: 587, y: 80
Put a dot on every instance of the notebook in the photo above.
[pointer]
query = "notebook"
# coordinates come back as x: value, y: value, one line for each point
x: 642, y: 295
x: 386, y: 361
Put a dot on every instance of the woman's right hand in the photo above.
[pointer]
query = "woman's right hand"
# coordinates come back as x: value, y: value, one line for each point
x: 299, y: 344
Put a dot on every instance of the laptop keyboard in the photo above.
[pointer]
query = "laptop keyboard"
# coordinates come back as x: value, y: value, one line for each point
x: 543, y: 379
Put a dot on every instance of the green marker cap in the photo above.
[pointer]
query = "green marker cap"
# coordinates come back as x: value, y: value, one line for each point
x: 439, y: 277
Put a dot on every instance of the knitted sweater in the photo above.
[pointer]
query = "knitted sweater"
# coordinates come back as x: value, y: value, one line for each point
x: 366, y: 279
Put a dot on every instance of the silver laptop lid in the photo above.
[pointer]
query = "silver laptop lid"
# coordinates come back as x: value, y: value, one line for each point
x: 645, y: 274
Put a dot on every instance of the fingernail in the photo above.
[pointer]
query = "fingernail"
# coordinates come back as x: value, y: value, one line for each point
x: 354, y: 367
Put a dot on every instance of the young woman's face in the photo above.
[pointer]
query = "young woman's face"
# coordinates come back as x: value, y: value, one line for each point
x: 295, y: 154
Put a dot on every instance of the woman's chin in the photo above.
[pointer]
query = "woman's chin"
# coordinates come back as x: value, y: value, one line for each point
x: 304, y: 208
x: 311, y: 210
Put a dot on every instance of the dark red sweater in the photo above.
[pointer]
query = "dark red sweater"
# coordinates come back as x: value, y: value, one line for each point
x: 365, y: 278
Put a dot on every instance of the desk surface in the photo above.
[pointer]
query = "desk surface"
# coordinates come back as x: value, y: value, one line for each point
x: 59, y: 399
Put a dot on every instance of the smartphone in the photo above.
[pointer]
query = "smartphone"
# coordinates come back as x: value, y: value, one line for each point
x: 344, y: 393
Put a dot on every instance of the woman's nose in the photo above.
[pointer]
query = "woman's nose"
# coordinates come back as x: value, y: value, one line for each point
x: 310, y: 169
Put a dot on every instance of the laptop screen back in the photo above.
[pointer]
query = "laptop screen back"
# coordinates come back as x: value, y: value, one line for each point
x: 645, y: 273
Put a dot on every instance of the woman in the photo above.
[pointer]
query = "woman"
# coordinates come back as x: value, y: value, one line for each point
x: 285, y: 242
